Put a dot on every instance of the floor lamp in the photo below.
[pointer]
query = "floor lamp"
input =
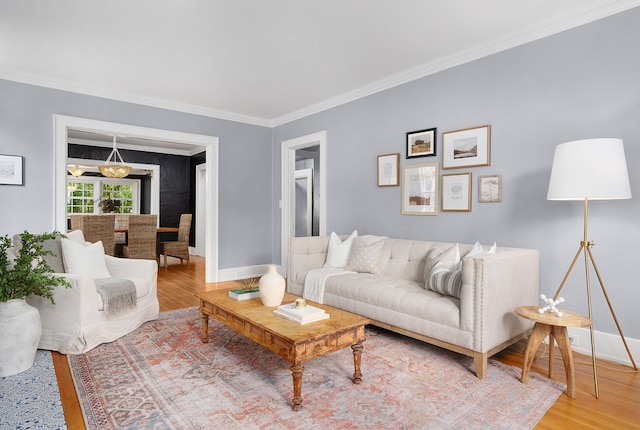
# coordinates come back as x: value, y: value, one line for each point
x: 592, y: 169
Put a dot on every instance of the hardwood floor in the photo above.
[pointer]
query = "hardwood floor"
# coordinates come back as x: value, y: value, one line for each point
x: 617, y: 408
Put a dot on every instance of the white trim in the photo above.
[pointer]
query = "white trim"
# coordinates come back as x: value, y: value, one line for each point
x: 63, y: 123
x: 288, y: 158
x: 609, y: 346
x: 245, y: 272
x: 201, y: 201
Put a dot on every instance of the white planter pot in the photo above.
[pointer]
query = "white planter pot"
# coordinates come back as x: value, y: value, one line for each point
x: 271, y: 287
x: 20, y: 330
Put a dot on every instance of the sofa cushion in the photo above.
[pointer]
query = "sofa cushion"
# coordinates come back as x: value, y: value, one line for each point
x: 364, y: 257
x: 338, y: 251
x: 443, y: 273
x: 84, y: 260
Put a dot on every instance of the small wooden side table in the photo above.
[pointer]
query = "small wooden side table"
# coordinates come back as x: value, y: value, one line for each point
x: 548, y: 324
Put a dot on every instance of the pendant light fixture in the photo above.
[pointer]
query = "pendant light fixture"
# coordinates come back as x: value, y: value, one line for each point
x: 75, y: 170
x: 115, y: 168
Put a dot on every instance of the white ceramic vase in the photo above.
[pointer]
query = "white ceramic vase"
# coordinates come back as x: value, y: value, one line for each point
x: 271, y: 287
x: 20, y: 330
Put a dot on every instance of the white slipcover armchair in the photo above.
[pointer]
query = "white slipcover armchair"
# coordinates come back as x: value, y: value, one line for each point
x: 77, y: 322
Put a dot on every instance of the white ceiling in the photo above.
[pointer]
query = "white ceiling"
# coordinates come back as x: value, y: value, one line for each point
x: 263, y: 62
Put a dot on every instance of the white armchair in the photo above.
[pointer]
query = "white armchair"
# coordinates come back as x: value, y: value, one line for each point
x: 77, y: 322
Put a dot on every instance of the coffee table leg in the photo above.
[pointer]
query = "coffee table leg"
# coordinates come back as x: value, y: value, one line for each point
x: 357, y: 355
x: 205, y: 327
x: 296, y: 372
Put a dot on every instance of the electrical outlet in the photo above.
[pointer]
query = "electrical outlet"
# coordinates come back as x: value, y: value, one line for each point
x: 574, y: 340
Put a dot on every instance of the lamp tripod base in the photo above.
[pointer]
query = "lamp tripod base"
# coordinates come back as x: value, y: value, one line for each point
x: 585, y: 249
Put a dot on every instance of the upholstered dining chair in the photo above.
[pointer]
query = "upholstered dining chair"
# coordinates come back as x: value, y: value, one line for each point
x: 95, y: 228
x: 141, y: 238
x: 178, y: 248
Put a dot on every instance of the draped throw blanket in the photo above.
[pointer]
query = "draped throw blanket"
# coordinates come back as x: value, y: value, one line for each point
x: 315, y: 281
x: 117, y: 294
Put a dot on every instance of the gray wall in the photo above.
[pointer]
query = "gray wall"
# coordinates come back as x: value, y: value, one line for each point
x: 26, y: 129
x: 583, y: 83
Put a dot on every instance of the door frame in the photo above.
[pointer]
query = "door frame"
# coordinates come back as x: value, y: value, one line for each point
x: 288, y: 172
x: 63, y: 123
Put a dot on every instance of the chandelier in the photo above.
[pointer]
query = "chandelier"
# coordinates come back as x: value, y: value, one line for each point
x: 75, y: 170
x: 115, y: 168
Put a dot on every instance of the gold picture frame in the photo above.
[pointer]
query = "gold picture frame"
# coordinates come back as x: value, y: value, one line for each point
x: 389, y: 170
x: 456, y: 192
x: 468, y: 147
x: 490, y: 189
x: 420, y: 189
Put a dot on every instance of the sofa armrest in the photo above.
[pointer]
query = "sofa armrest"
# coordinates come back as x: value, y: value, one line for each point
x: 131, y: 268
x: 305, y: 253
x: 493, y: 286
x: 73, y: 306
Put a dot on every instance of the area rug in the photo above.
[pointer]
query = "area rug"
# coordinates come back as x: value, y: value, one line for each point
x: 31, y: 399
x: 163, y: 377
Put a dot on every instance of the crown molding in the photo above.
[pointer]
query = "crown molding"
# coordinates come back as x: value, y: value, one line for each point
x: 32, y: 79
x: 525, y: 35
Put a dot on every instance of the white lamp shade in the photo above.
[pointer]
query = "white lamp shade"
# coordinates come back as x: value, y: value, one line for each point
x: 594, y: 169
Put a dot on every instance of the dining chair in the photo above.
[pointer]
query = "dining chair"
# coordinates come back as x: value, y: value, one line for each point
x: 122, y: 222
x: 95, y: 228
x: 141, y: 238
x: 178, y: 248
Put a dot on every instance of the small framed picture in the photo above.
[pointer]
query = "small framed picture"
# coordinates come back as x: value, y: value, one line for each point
x: 490, y: 189
x: 456, y: 192
x: 420, y: 189
x: 388, y: 170
x: 11, y: 170
x: 421, y: 143
x: 466, y: 148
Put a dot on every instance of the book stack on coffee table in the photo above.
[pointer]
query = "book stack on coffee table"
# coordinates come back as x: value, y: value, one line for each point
x: 245, y: 293
x: 302, y: 315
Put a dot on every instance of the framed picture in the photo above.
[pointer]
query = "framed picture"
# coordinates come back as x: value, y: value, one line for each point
x: 388, y: 170
x: 466, y: 148
x: 421, y: 143
x: 490, y: 189
x: 456, y: 192
x: 11, y: 170
x: 420, y: 189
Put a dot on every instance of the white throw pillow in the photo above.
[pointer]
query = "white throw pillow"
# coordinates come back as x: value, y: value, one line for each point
x: 442, y: 274
x: 76, y: 236
x: 84, y: 260
x: 365, y: 258
x: 338, y: 251
x: 479, y: 250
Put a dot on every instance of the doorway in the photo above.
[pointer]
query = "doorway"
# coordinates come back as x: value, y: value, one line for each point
x: 288, y: 187
x: 63, y: 124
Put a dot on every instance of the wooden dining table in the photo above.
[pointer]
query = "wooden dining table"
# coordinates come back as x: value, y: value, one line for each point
x: 159, y: 230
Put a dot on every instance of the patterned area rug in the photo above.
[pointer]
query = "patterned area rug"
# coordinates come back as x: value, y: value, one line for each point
x: 163, y: 376
x: 30, y: 399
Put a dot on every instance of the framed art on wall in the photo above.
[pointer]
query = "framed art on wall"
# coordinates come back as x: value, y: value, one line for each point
x: 421, y: 143
x: 11, y: 170
x: 456, y: 192
x: 420, y: 189
x: 466, y: 148
x: 490, y: 189
x: 388, y: 170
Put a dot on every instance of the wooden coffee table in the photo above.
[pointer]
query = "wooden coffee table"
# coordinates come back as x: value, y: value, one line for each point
x: 294, y: 342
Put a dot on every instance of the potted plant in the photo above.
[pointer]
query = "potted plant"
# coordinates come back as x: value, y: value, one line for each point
x: 23, y: 272
x: 109, y: 205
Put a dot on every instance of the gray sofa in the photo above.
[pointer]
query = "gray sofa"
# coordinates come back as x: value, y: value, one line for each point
x: 479, y: 323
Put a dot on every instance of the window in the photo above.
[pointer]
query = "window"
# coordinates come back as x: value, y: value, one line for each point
x: 84, y: 194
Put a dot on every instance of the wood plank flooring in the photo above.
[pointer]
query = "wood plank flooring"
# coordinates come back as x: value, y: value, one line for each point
x: 617, y: 408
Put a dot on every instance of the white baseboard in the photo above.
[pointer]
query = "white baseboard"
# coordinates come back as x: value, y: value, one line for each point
x: 244, y: 272
x: 609, y: 346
